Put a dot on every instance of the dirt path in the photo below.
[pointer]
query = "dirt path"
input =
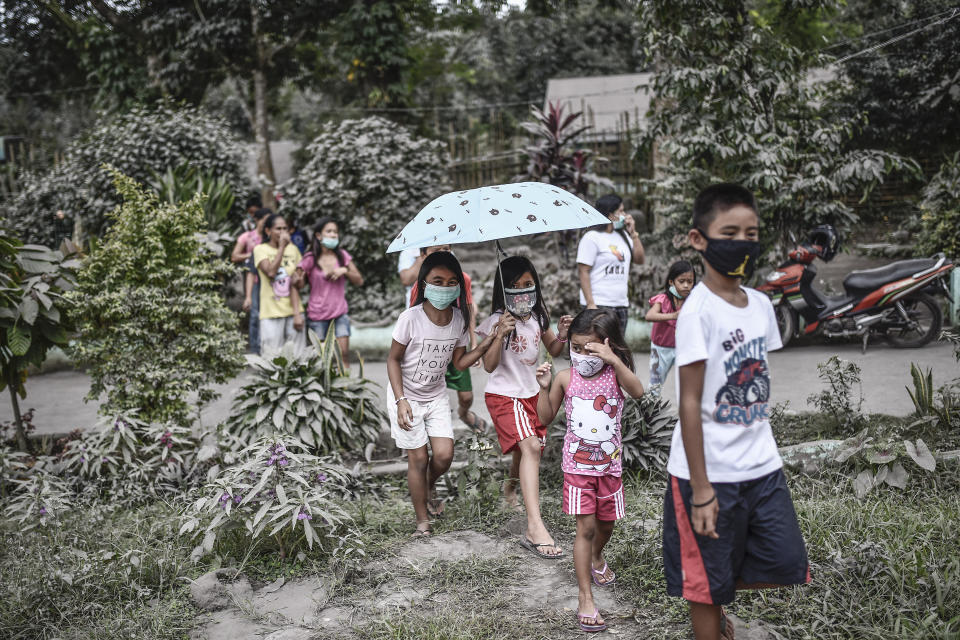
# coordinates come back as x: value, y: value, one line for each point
x: 420, y: 581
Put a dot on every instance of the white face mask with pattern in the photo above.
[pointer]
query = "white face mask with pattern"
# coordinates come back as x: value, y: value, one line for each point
x: 586, y: 366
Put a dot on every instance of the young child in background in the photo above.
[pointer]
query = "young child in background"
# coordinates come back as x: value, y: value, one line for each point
x: 428, y: 336
x: 729, y: 522
x: 519, y: 323
x: 459, y: 381
x: 327, y: 267
x: 664, y: 309
x: 601, y: 365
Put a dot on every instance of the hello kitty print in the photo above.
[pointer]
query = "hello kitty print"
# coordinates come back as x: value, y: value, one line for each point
x: 594, y: 408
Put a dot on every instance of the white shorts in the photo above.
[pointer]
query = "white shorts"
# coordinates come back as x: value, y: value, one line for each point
x: 431, y: 419
x: 275, y: 332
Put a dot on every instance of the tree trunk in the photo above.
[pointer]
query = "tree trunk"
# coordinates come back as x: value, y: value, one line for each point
x: 12, y: 384
x: 261, y: 125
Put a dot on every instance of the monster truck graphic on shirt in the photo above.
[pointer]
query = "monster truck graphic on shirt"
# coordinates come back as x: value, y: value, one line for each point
x: 743, y: 399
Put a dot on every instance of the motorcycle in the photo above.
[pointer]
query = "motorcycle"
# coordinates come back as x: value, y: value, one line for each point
x: 894, y: 302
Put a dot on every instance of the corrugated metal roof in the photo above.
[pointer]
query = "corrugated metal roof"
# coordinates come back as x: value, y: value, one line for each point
x: 610, y: 103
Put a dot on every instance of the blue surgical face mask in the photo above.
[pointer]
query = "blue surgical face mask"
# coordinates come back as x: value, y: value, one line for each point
x: 441, y: 297
x: 675, y: 293
x: 330, y: 243
x: 618, y: 224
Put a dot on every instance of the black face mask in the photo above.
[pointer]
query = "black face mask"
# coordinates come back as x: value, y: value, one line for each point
x: 732, y: 258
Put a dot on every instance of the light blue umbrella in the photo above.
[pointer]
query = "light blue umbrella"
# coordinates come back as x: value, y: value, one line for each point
x: 494, y: 212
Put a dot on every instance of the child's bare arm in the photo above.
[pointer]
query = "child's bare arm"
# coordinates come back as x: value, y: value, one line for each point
x: 555, y: 343
x: 463, y: 359
x: 395, y: 379
x: 503, y: 328
x: 627, y: 379
x: 656, y: 315
x: 551, y: 395
x: 704, y: 518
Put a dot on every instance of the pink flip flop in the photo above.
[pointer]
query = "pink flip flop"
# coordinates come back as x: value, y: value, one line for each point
x: 601, y: 573
x: 582, y: 618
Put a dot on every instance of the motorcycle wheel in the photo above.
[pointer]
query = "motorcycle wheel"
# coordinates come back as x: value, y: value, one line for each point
x: 786, y: 321
x: 925, y: 312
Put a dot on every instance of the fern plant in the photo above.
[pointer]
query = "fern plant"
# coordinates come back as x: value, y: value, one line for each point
x: 307, y: 394
x: 646, y: 432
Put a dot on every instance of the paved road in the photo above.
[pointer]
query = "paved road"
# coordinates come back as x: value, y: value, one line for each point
x: 58, y: 397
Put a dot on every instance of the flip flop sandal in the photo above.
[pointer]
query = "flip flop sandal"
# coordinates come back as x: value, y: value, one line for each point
x: 535, y: 548
x: 421, y: 533
x: 435, y: 508
x: 726, y: 626
x: 595, y: 573
x: 583, y: 618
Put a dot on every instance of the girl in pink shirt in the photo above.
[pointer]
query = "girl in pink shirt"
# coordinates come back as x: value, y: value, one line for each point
x: 519, y: 323
x: 327, y: 267
x: 664, y: 309
x: 592, y: 392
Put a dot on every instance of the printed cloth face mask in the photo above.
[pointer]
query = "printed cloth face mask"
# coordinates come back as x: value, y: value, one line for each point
x: 441, y: 297
x: 732, y: 258
x: 586, y: 366
x: 330, y: 243
x: 520, y: 302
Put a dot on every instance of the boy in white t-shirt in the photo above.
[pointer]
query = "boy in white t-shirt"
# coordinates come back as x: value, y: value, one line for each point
x: 729, y: 521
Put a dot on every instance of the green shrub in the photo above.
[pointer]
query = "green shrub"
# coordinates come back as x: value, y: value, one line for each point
x: 837, y: 399
x: 274, y: 494
x: 374, y: 176
x: 180, y: 184
x: 38, y: 501
x: 152, y: 326
x: 940, y: 211
x: 130, y: 461
x: 139, y: 143
x: 881, y: 462
x: 646, y: 432
x: 305, y: 393
x: 33, y: 318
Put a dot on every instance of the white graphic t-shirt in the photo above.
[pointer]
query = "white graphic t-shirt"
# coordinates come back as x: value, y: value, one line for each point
x: 738, y: 442
x: 608, y: 257
x: 516, y: 376
x: 429, y: 350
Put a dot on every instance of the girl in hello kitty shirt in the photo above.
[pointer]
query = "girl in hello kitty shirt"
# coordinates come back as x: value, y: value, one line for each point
x: 592, y: 392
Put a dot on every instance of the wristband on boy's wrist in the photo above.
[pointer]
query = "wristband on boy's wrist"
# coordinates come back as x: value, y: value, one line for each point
x: 399, y: 399
x: 704, y: 504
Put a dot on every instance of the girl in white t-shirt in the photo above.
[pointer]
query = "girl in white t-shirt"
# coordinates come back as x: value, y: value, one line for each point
x: 428, y: 336
x: 604, y: 256
x: 520, y: 322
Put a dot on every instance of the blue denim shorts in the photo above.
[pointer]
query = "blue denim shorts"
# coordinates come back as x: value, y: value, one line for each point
x: 341, y: 327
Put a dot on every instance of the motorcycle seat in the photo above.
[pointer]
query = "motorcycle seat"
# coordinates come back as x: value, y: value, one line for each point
x: 867, y: 280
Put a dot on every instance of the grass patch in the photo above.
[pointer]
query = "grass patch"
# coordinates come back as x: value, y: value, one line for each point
x: 882, y: 567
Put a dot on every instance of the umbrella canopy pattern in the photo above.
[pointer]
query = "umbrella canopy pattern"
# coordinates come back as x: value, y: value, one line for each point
x: 494, y: 212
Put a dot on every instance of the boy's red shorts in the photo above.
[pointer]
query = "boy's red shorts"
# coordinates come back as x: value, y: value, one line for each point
x: 515, y: 419
x: 602, y: 495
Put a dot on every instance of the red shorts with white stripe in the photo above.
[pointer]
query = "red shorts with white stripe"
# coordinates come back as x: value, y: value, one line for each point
x: 602, y: 495
x: 515, y: 419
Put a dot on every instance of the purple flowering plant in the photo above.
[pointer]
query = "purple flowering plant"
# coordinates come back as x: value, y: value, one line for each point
x: 274, y: 496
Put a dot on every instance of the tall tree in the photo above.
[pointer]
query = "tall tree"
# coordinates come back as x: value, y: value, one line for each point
x: 736, y: 102
x: 910, y: 91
